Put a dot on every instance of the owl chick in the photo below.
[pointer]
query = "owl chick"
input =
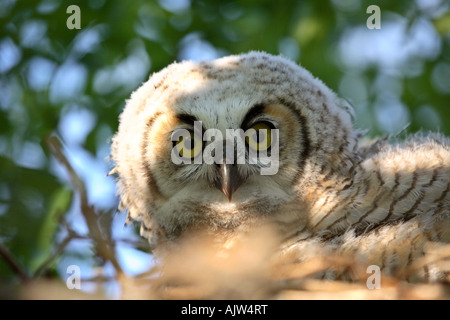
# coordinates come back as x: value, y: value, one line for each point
x: 381, y: 202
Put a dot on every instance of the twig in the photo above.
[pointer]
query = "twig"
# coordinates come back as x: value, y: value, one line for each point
x: 98, y: 279
x: 63, y: 244
x: 104, y: 246
x: 12, y: 262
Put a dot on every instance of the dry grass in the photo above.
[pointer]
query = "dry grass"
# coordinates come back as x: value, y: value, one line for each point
x: 250, y: 267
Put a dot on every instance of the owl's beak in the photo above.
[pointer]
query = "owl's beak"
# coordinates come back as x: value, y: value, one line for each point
x: 229, y: 179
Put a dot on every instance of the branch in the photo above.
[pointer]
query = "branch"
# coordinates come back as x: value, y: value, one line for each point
x: 62, y: 245
x: 104, y: 246
x: 12, y: 262
x: 98, y: 279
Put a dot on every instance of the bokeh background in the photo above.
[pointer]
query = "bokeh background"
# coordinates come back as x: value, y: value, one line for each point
x: 70, y: 86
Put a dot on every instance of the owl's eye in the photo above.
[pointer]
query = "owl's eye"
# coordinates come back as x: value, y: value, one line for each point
x: 260, y: 137
x: 188, y: 146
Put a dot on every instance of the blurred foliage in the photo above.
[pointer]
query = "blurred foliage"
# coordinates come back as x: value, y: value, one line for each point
x: 48, y: 72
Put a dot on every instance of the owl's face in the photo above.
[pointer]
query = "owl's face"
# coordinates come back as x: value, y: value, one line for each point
x: 282, y: 118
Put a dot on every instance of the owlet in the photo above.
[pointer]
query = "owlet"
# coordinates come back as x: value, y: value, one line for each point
x: 228, y: 144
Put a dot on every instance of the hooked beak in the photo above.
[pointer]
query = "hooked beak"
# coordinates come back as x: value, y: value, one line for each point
x: 229, y: 179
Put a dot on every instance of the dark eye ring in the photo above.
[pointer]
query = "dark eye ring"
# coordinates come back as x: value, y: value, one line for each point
x: 259, y: 136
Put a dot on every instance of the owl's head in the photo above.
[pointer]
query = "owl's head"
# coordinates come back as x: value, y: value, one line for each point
x: 224, y: 142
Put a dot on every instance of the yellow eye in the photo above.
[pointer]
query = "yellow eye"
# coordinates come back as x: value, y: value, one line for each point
x: 188, y: 146
x: 259, y: 136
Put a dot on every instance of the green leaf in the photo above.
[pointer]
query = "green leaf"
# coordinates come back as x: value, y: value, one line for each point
x: 59, y: 204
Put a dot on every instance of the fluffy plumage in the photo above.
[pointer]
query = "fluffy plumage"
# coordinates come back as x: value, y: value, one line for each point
x: 381, y: 203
